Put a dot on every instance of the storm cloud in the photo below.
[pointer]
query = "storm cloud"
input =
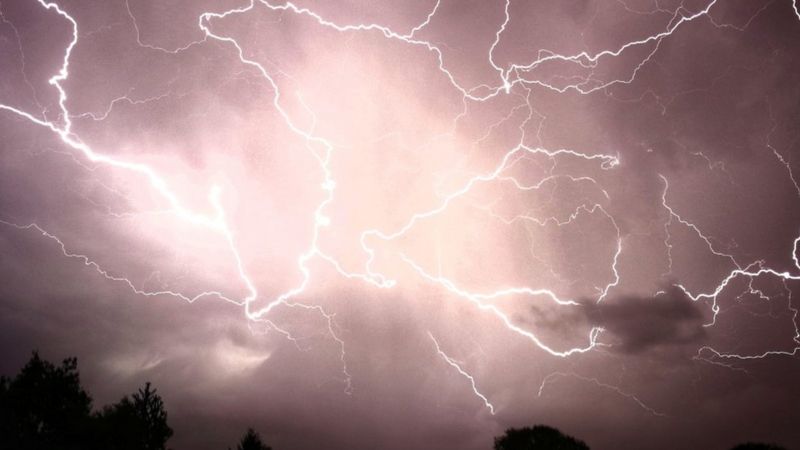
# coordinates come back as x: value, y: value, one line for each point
x: 279, y: 212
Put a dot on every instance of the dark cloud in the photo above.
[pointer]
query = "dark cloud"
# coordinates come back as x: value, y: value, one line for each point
x: 714, y: 109
x: 640, y: 323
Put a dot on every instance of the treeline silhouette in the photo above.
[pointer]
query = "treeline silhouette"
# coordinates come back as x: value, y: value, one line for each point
x: 542, y: 437
x: 251, y: 441
x: 44, y: 407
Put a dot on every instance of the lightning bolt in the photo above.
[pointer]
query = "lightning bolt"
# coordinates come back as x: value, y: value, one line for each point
x: 453, y: 363
x: 511, y: 79
x: 549, y: 379
x: 216, y: 223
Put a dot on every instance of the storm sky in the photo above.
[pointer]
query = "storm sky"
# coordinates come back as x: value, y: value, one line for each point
x: 390, y: 225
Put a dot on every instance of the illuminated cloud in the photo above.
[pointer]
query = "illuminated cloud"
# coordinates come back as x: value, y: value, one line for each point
x: 393, y: 224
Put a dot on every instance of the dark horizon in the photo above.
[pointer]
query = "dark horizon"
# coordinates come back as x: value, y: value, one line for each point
x: 364, y: 225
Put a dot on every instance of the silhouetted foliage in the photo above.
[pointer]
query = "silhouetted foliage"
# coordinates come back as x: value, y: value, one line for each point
x: 45, y: 408
x: 139, y: 423
x: 757, y: 446
x: 540, y: 437
x: 251, y: 441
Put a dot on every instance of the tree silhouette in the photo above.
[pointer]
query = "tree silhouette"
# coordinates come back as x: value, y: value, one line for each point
x: 251, y: 441
x: 44, y: 406
x: 757, y: 446
x: 540, y: 437
x: 139, y: 423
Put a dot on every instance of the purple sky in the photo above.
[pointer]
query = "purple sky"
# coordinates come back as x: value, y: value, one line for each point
x: 391, y: 225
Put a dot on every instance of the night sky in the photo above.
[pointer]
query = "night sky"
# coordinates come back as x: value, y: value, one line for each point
x: 391, y: 225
